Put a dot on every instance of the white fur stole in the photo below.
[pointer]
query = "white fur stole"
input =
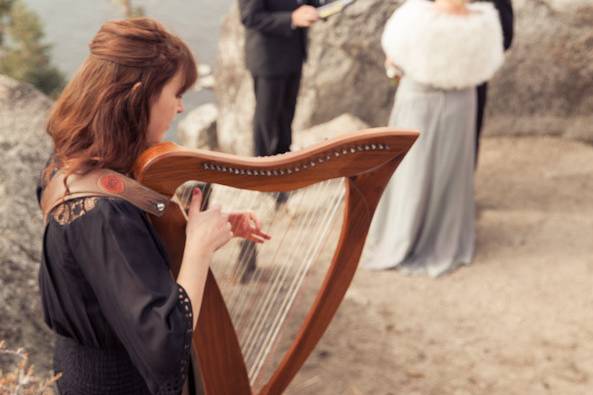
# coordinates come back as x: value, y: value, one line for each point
x: 445, y: 50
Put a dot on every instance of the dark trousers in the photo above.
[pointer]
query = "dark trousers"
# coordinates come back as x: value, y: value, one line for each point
x: 482, y: 92
x: 275, y: 102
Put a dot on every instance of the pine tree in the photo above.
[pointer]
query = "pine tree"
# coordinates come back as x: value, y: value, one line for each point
x: 23, y: 55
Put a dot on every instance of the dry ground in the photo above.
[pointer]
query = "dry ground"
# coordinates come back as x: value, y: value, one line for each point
x: 518, y: 321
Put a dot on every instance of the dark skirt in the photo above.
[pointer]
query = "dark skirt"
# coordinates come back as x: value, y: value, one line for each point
x: 90, y: 371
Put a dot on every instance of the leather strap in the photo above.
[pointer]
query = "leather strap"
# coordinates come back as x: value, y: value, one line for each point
x: 101, y: 183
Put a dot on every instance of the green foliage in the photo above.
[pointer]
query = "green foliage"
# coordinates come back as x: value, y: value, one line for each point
x: 23, y: 55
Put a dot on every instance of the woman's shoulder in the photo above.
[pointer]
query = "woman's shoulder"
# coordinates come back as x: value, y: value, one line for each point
x: 448, y: 51
x: 95, y: 209
x: 424, y: 15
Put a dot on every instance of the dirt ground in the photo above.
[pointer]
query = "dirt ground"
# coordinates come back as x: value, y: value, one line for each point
x: 517, y: 321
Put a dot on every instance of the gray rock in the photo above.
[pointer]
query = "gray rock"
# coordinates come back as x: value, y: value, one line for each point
x: 545, y: 87
x: 342, y: 125
x: 24, y: 149
x: 205, y: 78
x: 233, y: 88
x: 198, y: 128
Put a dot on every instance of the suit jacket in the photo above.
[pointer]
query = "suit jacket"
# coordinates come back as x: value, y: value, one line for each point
x: 272, y: 46
x: 505, y: 12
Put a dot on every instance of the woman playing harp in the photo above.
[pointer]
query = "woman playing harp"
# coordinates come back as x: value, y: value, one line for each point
x: 123, y: 323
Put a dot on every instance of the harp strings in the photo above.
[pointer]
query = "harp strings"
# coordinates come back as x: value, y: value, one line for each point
x: 260, y: 283
x: 272, y: 309
x: 260, y: 286
x: 261, y: 349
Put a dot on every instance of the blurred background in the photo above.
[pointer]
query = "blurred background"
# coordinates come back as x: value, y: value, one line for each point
x: 519, y: 320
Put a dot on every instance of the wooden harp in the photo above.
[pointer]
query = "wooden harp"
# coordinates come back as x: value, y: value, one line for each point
x: 361, y: 163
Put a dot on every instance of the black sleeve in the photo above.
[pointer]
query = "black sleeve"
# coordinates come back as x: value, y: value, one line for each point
x: 505, y: 13
x: 150, y: 313
x: 254, y: 15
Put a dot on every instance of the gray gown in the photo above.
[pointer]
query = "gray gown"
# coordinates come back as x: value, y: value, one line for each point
x: 425, y: 220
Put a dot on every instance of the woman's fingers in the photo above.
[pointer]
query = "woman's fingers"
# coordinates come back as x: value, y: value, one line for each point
x: 262, y: 234
x: 255, y: 220
x: 245, y: 225
x: 211, y: 228
x: 257, y: 228
x: 196, y: 200
x: 254, y: 235
x: 255, y: 238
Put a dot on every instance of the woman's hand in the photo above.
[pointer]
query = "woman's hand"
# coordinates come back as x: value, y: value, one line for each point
x: 392, y: 70
x: 247, y: 226
x: 207, y: 230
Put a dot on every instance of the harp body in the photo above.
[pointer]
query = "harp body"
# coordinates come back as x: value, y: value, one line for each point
x: 366, y: 160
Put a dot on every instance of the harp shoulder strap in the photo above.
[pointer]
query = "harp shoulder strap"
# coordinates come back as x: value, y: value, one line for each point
x: 101, y: 183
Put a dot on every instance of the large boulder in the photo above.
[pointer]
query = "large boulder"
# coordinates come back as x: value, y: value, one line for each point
x: 545, y: 87
x: 339, y: 126
x: 198, y: 128
x: 24, y: 148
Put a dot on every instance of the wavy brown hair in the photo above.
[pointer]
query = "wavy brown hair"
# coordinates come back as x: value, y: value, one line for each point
x: 101, y: 118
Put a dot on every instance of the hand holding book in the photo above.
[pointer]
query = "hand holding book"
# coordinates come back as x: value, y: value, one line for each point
x: 333, y: 8
x: 304, y: 16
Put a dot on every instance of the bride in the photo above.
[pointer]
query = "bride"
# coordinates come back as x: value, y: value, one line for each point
x: 425, y: 220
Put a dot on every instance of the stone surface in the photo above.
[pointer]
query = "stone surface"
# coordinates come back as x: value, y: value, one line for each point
x: 24, y: 148
x: 344, y: 124
x: 517, y: 321
x: 545, y: 87
x: 233, y: 88
x: 198, y: 128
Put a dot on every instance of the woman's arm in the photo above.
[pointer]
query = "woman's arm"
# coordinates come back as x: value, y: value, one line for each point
x: 206, y: 232
x: 127, y: 271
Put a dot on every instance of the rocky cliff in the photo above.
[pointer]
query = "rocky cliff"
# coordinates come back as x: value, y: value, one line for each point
x: 545, y: 87
x: 24, y: 148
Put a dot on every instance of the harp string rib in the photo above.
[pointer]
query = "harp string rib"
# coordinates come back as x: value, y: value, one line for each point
x: 258, y: 285
x: 282, y: 267
x: 291, y: 284
x: 326, y: 223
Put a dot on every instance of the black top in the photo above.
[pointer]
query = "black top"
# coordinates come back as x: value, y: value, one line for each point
x: 272, y: 46
x: 105, y: 285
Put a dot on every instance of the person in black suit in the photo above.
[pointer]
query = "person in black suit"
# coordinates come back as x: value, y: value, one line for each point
x: 275, y: 50
x: 505, y: 13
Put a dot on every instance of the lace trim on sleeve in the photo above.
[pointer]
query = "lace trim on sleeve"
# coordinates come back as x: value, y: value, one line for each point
x: 68, y: 211
x: 175, y: 385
